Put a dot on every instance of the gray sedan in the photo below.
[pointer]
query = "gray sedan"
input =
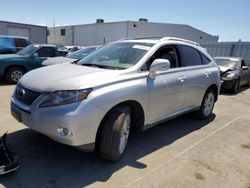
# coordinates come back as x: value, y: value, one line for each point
x: 73, y: 57
x: 234, y: 72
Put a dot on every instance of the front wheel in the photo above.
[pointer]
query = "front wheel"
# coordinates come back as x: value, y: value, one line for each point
x: 115, y: 133
x: 13, y: 75
x: 207, y: 105
x: 236, y: 86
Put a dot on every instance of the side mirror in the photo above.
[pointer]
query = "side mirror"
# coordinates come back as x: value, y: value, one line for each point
x: 35, y: 54
x: 244, y: 67
x: 158, y: 65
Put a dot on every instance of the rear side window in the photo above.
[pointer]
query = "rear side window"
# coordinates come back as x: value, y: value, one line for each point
x: 21, y: 42
x: 46, y: 52
x: 191, y: 56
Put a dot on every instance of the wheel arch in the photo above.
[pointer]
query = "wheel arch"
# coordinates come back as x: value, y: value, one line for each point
x: 13, y: 66
x: 138, y: 118
x: 214, y: 87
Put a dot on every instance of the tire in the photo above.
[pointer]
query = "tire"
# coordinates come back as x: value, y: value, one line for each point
x: 248, y: 83
x: 13, y: 75
x: 115, y: 133
x: 207, y: 105
x: 236, y: 86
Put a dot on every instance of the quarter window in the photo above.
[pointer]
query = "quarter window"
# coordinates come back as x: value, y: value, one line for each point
x: 191, y: 56
x: 205, y: 60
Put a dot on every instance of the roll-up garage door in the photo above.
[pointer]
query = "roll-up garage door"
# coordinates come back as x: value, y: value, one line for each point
x: 19, y: 31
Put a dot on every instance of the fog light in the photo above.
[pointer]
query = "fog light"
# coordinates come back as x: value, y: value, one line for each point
x: 63, y: 131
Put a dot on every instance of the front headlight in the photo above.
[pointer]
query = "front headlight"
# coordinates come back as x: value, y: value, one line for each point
x: 229, y: 76
x: 65, y: 97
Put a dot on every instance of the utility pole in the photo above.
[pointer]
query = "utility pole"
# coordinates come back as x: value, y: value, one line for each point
x: 54, y: 28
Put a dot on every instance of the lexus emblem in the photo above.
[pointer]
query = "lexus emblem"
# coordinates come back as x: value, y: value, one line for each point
x: 20, y: 93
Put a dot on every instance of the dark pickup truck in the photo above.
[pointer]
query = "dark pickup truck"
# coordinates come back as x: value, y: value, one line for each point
x: 14, y: 66
x: 12, y: 44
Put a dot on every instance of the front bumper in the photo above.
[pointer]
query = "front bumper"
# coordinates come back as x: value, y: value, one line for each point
x: 81, y: 119
x: 227, y: 84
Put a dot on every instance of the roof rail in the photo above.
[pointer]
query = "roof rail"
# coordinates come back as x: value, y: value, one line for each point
x: 180, y: 39
x: 140, y: 38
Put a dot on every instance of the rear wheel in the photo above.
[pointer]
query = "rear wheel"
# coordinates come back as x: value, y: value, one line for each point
x: 14, y: 74
x: 207, y: 105
x: 115, y: 133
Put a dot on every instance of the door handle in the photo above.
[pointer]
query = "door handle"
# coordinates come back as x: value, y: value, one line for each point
x: 207, y: 74
x: 182, y: 78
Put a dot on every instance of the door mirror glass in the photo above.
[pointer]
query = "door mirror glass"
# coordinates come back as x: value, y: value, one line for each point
x: 35, y: 54
x: 158, y: 65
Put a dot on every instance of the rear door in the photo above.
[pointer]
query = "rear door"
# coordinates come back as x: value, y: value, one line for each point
x: 197, y: 70
x: 166, y: 91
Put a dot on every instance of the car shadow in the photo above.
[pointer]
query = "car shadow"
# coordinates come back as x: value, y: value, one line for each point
x: 2, y: 82
x: 45, y: 163
x: 240, y: 91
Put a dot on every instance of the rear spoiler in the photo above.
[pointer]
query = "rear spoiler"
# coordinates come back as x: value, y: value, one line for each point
x: 7, y: 162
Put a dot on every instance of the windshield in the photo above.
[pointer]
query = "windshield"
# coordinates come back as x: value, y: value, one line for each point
x: 79, y: 54
x: 28, y: 50
x: 117, y: 55
x: 227, y: 63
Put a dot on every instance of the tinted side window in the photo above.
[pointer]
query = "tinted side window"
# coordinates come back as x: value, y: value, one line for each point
x: 168, y: 53
x: 46, y: 52
x: 21, y: 42
x: 191, y: 56
x: 205, y: 60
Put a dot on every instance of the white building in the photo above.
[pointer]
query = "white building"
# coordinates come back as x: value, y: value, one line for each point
x: 100, y: 33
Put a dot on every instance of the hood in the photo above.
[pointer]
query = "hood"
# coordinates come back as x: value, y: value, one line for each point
x: 57, y: 60
x: 66, y: 77
x: 9, y: 56
x: 224, y: 70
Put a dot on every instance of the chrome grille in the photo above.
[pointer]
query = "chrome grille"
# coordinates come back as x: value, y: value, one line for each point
x: 25, y: 95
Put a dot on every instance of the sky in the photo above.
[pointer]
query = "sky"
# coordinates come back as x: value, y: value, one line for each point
x: 230, y: 19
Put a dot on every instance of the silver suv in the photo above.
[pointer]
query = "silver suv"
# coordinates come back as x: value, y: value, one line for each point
x: 127, y: 84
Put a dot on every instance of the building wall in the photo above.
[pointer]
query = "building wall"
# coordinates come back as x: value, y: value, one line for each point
x: 55, y: 37
x: 100, y: 33
x: 97, y: 34
x: 147, y: 29
x: 231, y: 49
x: 36, y: 34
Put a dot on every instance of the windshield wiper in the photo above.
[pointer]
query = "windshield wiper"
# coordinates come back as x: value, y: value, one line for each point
x: 93, y: 65
x: 102, y: 66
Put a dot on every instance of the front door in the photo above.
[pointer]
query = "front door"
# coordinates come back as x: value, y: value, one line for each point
x: 166, y: 91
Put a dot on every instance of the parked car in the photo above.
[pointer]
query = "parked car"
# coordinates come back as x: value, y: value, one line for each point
x: 12, y: 44
x: 13, y: 66
x: 234, y: 72
x: 125, y: 85
x: 67, y: 50
x: 75, y: 56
